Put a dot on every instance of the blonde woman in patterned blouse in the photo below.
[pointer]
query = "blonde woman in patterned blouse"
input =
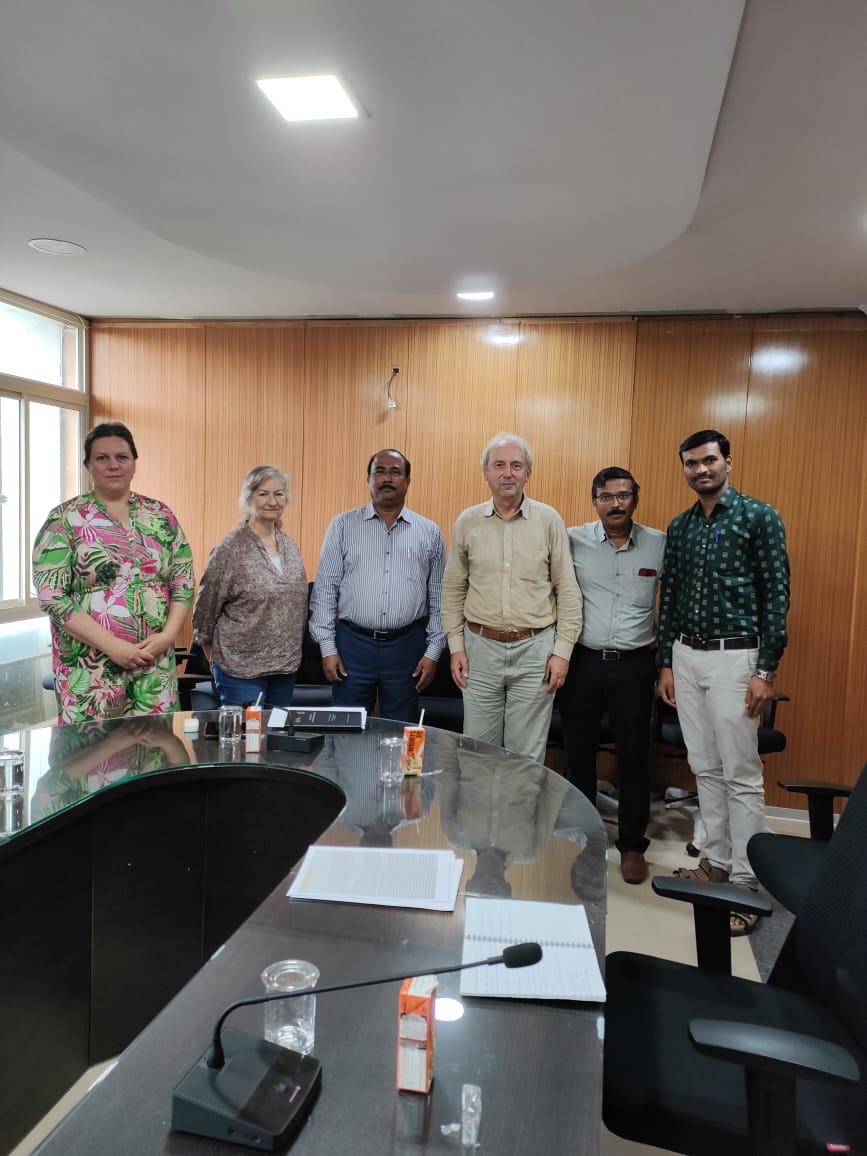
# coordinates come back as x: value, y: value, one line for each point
x: 251, y: 609
x: 114, y: 572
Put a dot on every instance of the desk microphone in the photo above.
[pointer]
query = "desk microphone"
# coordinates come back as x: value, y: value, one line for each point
x: 249, y: 1091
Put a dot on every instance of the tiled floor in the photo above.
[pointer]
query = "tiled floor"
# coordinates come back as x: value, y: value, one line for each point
x: 637, y: 921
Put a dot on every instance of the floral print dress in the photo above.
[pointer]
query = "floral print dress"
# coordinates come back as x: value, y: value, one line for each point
x: 86, y: 560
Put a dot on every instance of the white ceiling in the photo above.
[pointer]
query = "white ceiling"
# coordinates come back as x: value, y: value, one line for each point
x: 581, y: 156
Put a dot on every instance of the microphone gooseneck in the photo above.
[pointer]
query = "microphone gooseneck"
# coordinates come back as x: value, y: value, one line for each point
x: 518, y: 955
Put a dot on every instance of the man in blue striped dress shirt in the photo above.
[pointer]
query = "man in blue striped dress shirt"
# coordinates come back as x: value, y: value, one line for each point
x: 375, y: 607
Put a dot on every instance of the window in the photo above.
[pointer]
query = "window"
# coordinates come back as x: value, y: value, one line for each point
x: 43, y: 414
x: 40, y: 346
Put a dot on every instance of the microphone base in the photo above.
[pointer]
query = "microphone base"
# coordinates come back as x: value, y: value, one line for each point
x: 259, y: 1098
x: 297, y: 743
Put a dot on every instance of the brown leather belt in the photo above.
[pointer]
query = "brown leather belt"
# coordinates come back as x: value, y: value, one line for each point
x: 503, y: 635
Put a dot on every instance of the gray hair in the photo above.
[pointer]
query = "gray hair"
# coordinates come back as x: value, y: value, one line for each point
x: 507, y: 439
x: 253, y: 481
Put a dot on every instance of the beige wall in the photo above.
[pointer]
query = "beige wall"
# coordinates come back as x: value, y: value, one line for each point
x: 207, y: 400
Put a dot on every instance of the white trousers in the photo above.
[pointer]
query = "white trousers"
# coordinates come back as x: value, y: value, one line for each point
x: 506, y: 702
x: 722, y: 748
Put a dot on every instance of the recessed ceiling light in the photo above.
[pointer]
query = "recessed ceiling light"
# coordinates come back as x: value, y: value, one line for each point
x: 58, y: 248
x: 479, y: 295
x: 309, y: 98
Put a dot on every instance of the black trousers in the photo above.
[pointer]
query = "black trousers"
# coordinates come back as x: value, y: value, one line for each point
x: 622, y: 689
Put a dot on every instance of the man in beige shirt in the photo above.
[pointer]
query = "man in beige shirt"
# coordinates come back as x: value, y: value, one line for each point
x: 511, y: 607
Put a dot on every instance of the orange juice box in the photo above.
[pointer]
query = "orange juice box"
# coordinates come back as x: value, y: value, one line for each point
x: 413, y: 750
x: 253, y: 740
x: 416, y: 1034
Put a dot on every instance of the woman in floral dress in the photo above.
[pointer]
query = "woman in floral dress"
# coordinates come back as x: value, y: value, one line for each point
x: 114, y: 571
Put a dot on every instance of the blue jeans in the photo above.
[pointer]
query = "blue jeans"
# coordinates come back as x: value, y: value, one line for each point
x: 276, y: 689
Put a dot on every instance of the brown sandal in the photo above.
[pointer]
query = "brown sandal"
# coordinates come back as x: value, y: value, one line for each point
x: 704, y: 873
x: 740, y: 923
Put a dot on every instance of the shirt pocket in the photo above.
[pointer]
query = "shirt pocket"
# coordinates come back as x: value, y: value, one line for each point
x: 641, y: 590
x: 732, y: 555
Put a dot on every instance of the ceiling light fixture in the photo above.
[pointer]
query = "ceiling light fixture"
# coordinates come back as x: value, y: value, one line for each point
x: 479, y: 295
x: 309, y: 98
x: 55, y: 247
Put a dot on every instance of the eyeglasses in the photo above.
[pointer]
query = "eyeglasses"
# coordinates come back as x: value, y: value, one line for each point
x: 393, y: 472
x: 607, y: 499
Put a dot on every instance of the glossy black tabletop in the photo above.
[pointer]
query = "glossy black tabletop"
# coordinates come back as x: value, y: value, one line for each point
x: 521, y: 830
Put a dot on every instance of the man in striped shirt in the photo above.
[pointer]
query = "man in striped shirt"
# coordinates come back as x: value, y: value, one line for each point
x: 375, y: 607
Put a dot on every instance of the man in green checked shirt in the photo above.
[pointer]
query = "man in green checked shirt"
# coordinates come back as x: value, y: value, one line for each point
x: 722, y: 630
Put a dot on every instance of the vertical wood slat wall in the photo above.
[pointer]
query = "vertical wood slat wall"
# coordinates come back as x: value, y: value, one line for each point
x: 208, y: 400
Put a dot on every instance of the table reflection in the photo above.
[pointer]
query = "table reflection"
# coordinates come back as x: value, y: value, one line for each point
x: 84, y: 759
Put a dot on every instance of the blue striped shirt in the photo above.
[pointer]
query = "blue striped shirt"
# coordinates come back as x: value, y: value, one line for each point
x: 378, y: 577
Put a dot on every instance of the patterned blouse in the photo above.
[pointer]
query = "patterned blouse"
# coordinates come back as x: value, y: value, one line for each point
x: 86, y: 560
x: 251, y: 613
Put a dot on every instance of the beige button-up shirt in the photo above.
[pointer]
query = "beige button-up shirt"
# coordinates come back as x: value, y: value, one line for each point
x: 511, y: 575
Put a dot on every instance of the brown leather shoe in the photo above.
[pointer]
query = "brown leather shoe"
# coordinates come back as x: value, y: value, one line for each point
x: 633, y: 866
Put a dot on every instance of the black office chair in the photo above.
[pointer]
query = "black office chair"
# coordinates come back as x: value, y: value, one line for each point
x: 786, y: 865
x: 196, y: 689
x: 708, y: 1064
x: 667, y: 733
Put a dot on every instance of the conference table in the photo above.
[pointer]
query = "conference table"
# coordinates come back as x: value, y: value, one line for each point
x: 144, y: 875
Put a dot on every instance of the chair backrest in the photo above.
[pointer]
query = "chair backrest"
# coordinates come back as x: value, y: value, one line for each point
x: 666, y: 730
x: 830, y: 931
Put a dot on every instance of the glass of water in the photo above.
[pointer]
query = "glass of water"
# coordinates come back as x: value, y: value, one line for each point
x: 11, y: 771
x: 291, y: 1023
x: 231, y: 728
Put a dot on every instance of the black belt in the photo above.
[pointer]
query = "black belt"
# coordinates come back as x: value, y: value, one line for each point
x: 384, y: 635
x: 609, y: 655
x: 696, y: 642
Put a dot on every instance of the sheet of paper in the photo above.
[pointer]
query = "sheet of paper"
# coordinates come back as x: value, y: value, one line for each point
x: 568, y: 968
x: 386, y: 877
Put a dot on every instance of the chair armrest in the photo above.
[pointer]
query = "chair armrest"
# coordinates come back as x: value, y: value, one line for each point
x: 712, y: 905
x: 718, y: 896
x: 820, y: 803
x: 773, y: 1050
x: 769, y: 714
x: 815, y: 788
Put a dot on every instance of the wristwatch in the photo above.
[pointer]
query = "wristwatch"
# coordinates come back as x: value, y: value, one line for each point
x: 764, y: 675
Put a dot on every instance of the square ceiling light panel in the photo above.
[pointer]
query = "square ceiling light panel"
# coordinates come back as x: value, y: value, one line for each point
x: 309, y: 98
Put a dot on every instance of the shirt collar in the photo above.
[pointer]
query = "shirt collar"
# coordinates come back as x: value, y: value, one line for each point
x: 726, y: 499
x: 600, y: 535
x: 488, y: 510
x: 405, y: 515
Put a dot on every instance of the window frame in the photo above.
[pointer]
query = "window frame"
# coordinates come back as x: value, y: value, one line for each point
x: 25, y: 390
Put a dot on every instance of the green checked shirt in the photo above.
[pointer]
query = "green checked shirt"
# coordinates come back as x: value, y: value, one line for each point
x: 726, y: 576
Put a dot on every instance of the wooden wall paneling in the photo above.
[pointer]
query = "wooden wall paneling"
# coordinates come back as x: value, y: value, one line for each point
x: 689, y: 375
x: 460, y: 391
x: 574, y: 406
x: 804, y: 454
x: 254, y: 415
x: 346, y: 419
x: 855, y: 750
x: 153, y: 380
